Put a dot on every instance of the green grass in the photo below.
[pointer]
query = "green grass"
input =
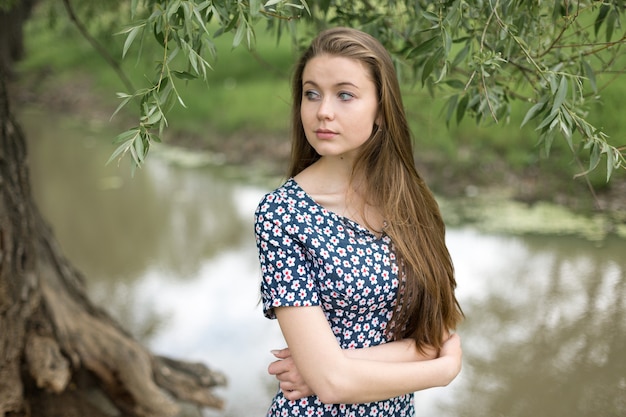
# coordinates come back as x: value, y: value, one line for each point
x: 232, y: 106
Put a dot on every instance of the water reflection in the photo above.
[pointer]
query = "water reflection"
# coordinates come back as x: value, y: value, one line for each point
x: 171, y: 254
x: 546, y: 330
x: 162, y: 211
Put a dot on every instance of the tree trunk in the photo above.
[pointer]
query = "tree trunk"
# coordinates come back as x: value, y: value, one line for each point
x: 11, y: 31
x: 59, y: 354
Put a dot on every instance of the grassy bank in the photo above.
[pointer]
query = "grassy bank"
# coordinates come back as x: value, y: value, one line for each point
x: 243, y: 112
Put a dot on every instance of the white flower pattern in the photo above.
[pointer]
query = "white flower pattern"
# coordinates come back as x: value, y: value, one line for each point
x: 310, y: 256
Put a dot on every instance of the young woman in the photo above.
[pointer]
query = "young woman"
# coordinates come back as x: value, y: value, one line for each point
x: 352, y: 250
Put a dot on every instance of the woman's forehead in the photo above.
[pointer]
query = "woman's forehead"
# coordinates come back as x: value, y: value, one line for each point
x: 335, y: 69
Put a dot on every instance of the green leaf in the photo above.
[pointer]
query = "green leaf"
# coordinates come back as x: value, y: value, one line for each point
x: 200, y: 20
x: 447, y: 41
x: 610, y: 24
x: 172, y: 8
x: 231, y: 25
x: 130, y: 38
x: 567, y: 132
x: 188, y: 22
x: 560, y: 95
x: 254, y: 7
x: 548, y: 120
x: 164, y: 83
x: 611, y: 163
x: 461, y: 108
x: 423, y: 47
x: 429, y: 66
x: 443, y: 72
x: 184, y: 75
x: 153, y: 118
x: 133, y: 8
x: 159, y: 36
x: 533, y: 112
x: 140, y: 150
x: 191, y: 56
x: 432, y: 17
x: 126, y: 136
x: 133, y: 154
x: 124, y: 102
x: 306, y: 7
x: 594, y: 156
x: 119, y: 152
x: 452, y: 103
x: 604, y: 9
x: 454, y: 83
x: 241, y: 30
x: 591, y: 76
x: 547, y: 142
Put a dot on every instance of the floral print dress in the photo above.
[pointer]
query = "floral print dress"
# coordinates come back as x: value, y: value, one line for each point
x: 310, y: 256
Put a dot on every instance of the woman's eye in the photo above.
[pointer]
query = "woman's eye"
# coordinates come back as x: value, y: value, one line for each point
x: 311, y: 95
x: 345, y: 96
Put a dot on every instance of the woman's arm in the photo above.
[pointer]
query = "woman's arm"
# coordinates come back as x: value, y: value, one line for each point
x: 397, y: 351
x: 294, y: 387
x: 337, y: 377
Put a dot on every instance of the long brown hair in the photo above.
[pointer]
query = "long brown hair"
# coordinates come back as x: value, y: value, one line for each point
x: 426, y: 305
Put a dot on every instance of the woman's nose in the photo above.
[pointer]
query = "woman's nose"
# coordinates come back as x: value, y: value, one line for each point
x: 325, y: 109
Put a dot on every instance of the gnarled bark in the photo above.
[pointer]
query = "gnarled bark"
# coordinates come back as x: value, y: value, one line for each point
x: 57, y: 349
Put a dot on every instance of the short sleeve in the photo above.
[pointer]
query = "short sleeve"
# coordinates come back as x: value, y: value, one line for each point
x: 287, y: 276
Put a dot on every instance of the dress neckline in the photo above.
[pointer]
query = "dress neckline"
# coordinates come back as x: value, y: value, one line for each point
x: 345, y: 220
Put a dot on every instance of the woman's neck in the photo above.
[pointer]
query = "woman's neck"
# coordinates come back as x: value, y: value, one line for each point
x: 329, y: 182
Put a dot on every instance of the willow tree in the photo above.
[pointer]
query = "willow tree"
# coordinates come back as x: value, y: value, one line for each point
x: 57, y: 350
x: 555, y: 57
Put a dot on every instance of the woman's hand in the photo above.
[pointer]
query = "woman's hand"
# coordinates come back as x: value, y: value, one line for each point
x: 290, y: 381
x: 451, y: 352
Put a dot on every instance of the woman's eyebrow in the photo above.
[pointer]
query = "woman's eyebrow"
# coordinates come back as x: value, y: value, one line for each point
x: 339, y: 84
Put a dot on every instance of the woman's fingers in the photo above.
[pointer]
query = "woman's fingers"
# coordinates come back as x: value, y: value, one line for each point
x: 294, y: 392
x: 280, y: 366
x: 290, y: 381
x: 293, y: 395
x: 281, y: 353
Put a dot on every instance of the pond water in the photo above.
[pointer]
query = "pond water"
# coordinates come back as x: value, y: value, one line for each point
x: 171, y: 254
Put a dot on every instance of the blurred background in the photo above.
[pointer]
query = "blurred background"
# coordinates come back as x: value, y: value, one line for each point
x: 170, y: 252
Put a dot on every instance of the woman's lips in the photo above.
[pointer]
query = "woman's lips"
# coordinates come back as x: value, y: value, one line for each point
x: 325, y: 134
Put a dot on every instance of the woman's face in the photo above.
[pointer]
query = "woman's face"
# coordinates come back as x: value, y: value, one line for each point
x: 339, y: 105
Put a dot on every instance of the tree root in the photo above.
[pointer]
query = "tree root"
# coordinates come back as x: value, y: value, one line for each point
x: 188, y: 381
x: 137, y: 382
